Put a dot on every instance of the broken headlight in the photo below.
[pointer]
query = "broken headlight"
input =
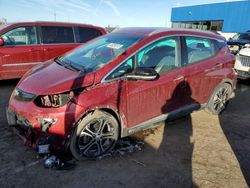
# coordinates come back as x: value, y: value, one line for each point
x: 53, y: 101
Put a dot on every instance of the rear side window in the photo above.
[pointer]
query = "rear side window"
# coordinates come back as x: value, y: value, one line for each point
x: 86, y: 34
x: 201, y: 48
x: 55, y: 34
x: 20, y: 36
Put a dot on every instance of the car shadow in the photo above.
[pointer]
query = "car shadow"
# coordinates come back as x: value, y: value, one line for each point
x: 6, y: 88
x: 9, y: 82
x: 237, y: 130
x: 169, y: 147
x: 177, y: 138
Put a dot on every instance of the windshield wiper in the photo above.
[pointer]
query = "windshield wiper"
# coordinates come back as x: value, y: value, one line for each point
x: 58, y: 61
x: 71, y: 67
x: 65, y: 64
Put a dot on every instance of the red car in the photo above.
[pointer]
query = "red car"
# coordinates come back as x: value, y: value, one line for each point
x: 23, y: 45
x: 122, y: 83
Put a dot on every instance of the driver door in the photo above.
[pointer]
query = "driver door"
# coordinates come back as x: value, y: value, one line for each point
x: 149, y: 99
x: 20, y: 52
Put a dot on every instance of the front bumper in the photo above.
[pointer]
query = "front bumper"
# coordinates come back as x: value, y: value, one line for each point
x: 243, y: 72
x: 49, y: 121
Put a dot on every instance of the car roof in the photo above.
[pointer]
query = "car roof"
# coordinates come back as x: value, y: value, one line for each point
x: 50, y: 23
x: 149, y: 31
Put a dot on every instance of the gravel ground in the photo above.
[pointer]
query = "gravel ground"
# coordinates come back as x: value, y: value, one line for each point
x: 200, y: 150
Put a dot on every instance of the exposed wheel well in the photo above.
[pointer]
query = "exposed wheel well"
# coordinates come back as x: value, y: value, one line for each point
x: 109, y: 111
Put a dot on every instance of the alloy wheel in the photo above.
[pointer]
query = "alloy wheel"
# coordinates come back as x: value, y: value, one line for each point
x: 96, y: 138
x: 220, y: 99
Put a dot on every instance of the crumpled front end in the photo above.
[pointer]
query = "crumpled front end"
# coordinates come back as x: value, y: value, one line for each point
x: 41, y: 125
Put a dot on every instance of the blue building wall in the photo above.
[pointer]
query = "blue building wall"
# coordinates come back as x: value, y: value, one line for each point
x: 236, y: 15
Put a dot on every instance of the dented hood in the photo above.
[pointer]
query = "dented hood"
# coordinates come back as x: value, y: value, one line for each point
x: 52, y: 78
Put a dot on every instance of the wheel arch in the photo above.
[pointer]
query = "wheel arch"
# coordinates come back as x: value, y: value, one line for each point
x: 224, y: 81
x: 108, y: 110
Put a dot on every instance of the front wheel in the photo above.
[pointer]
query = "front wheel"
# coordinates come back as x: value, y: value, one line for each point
x: 219, y: 99
x: 95, y: 135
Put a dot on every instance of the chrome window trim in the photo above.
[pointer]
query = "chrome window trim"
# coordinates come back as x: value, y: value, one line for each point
x: 176, y: 35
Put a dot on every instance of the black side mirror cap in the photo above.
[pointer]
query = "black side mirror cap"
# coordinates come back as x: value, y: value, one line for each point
x: 143, y: 73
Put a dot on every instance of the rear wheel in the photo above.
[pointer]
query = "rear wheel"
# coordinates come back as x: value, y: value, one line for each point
x: 219, y: 99
x: 95, y: 135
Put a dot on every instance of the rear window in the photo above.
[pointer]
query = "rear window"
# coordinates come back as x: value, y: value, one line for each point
x: 86, y: 34
x: 55, y: 34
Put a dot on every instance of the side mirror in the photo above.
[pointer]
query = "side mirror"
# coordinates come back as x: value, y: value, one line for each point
x: 142, y: 73
x: 1, y: 42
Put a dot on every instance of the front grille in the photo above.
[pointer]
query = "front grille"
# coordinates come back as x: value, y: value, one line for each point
x: 23, y: 96
x: 244, y: 60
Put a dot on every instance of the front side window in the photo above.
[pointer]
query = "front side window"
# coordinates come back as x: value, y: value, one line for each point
x: 161, y: 55
x: 199, y: 49
x: 86, y: 34
x: 98, y: 53
x: 20, y: 36
x: 57, y: 35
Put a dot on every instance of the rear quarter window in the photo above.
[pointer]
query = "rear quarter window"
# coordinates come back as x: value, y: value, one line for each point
x: 199, y: 48
x: 86, y: 34
x: 57, y: 34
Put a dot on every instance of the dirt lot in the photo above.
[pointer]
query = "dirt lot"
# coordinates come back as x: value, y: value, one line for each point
x: 200, y: 150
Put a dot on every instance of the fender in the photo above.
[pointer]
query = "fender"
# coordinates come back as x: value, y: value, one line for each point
x: 120, y: 117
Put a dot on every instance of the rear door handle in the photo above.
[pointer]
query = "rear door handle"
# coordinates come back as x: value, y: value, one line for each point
x: 180, y: 78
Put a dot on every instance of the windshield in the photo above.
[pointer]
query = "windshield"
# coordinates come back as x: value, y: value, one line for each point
x: 96, y: 54
x: 241, y: 36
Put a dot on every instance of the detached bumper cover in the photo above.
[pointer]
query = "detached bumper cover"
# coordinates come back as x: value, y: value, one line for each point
x: 30, y: 136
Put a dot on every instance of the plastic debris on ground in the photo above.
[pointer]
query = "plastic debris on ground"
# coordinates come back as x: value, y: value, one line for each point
x: 65, y: 161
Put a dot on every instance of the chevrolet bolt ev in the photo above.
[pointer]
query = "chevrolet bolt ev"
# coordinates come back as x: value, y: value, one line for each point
x: 122, y: 83
x: 25, y: 44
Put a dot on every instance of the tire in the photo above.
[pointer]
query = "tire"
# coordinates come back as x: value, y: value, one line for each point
x: 219, y: 99
x: 95, y: 135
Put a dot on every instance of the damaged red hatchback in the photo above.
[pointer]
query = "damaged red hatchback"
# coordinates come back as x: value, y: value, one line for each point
x: 122, y: 83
